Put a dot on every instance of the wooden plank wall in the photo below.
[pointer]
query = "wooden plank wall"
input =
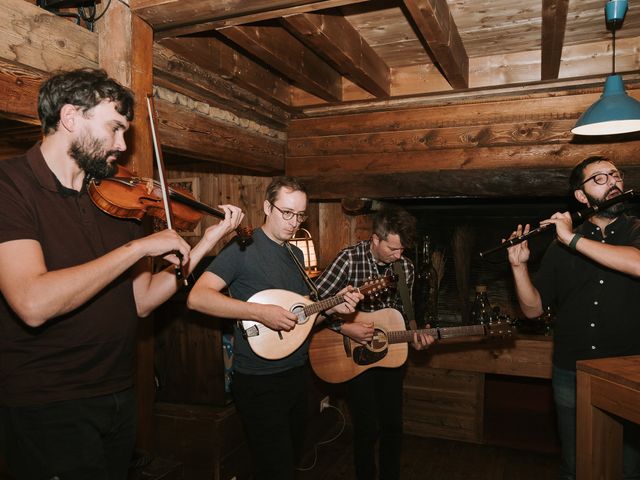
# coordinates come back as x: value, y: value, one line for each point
x: 330, y: 227
x: 464, y: 147
x: 338, y: 230
x: 245, y: 191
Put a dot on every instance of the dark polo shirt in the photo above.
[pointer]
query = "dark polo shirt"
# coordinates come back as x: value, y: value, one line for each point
x: 89, y: 351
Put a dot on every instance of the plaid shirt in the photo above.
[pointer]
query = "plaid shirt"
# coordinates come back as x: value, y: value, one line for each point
x: 354, y: 266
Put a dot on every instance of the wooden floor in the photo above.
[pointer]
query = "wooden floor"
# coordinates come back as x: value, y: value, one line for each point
x: 437, y: 459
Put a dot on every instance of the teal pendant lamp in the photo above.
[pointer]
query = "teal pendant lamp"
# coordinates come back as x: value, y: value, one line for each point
x: 615, y: 112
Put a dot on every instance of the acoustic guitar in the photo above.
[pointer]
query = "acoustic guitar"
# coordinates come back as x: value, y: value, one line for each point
x: 336, y: 358
x: 277, y: 344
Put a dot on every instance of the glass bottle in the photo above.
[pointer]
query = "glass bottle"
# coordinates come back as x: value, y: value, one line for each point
x: 426, y: 288
x: 481, y: 310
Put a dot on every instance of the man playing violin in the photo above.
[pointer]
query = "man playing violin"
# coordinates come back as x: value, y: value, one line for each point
x: 270, y: 395
x: 590, y: 277
x: 74, y: 280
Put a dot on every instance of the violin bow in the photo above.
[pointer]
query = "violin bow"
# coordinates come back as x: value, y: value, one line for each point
x: 163, y: 181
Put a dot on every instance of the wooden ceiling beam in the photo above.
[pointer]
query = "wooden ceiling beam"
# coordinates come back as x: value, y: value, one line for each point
x: 173, y: 18
x: 464, y: 172
x: 41, y: 40
x: 277, y: 48
x: 19, y: 86
x: 554, y: 22
x: 188, y: 133
x: 336, y: 40
x: 439, y: 31
x: 206, y: 69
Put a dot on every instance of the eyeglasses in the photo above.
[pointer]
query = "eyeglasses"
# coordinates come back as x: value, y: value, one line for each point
x: 602, y: 178
x: 288, y: 214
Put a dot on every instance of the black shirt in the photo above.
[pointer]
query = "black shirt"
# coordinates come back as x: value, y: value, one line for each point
x: 89, y: 351
x: 597, y: 309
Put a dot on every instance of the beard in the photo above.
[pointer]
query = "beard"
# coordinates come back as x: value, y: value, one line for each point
x: 613, y: 211
x: 91, y: 157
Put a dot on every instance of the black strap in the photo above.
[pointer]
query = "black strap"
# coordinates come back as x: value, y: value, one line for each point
x: 303, y: 272
x: 334, y: 322
x: 403, y: 290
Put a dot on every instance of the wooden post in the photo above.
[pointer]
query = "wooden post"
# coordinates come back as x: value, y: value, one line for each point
x: 119, y: 31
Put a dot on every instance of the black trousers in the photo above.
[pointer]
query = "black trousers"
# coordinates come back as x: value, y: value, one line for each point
x: 375, y: 403
x: 273, y: 409
x: 81, y: 439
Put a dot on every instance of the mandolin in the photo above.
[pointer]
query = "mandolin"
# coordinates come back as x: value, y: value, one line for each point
x: 277, y: 344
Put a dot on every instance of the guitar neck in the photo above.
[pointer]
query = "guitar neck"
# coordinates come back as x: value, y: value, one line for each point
x: 404, y: 336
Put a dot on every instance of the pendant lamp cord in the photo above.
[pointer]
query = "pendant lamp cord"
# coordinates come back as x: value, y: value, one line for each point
x: 613, y: 59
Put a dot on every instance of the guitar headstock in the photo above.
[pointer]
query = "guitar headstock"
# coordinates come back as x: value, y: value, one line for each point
x: 499, y: 328
x: 378, y: 285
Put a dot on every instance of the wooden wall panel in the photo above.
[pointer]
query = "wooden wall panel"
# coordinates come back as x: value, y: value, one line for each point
x: 444, y: 404
x: 496, y: 146
x: 339, y: 230
x: 187, y: 132
x: 245, y: 191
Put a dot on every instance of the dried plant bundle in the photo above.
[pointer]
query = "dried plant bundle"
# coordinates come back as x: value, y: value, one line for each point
x: 438, y: 260
x: 461, y: 245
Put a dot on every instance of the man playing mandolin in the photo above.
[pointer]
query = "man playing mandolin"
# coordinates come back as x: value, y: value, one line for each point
x: 74, y: 281
x: 270, y: 394
x: 375, y: 396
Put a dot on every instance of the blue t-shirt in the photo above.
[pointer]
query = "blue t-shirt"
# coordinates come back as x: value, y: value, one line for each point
x: 261, y: 265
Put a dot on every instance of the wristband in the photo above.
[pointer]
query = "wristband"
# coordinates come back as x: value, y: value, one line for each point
x: 574, y: 241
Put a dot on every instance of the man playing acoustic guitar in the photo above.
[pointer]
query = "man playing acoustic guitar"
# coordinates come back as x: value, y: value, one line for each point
x: 375, y: 396
x: 270, y: 394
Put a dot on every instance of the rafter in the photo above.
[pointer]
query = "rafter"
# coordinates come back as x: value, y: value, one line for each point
x: 190, y: 134
x: 554, y: 22
x: 172, y: 18
x: 336, y: 40
x: 439, y: 31
x: 277, y: 48
x: 33, y: 37
x: 209, y: 64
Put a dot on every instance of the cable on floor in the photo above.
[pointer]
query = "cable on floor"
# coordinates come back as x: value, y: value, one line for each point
x: 324, y: 442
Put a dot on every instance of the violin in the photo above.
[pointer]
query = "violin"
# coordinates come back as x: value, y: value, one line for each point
x: 126, y: 195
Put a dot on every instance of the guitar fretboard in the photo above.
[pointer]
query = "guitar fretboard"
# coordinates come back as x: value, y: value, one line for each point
x: 404, y: 336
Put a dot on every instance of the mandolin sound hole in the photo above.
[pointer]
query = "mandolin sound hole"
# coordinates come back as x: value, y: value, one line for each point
x: 299, y: 311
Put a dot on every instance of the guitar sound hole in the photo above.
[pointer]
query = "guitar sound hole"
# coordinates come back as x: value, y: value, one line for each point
x: 379, y: 341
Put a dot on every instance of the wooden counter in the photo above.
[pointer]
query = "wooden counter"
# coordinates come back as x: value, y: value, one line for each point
x: 526, y: 356
x: 607, y: 388
x: 446, y: 387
